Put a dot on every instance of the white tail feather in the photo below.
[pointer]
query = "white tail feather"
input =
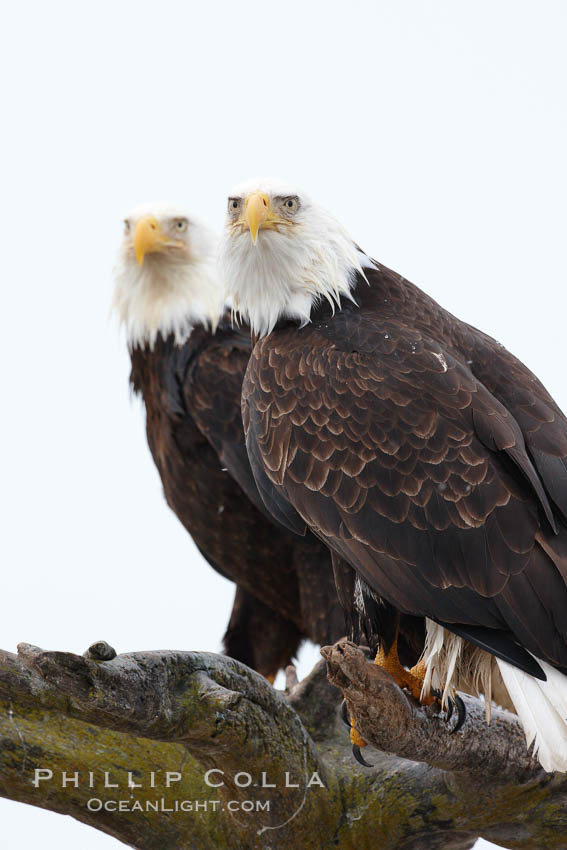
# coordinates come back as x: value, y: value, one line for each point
x: 452, y: 662
x: 542, y: 709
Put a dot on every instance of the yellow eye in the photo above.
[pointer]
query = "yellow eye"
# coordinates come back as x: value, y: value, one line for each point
x: 233, y: 205
x: 180, y: 224
x: 290, y: 205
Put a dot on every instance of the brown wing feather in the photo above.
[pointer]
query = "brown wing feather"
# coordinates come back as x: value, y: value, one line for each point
x: 395, y: 453
x: 212, y: 390
x: 508, y: 379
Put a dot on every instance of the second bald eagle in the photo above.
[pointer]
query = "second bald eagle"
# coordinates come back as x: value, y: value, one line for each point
x: 168, y: 296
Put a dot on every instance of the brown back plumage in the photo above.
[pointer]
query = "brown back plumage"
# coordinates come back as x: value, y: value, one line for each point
x: 427, y: 456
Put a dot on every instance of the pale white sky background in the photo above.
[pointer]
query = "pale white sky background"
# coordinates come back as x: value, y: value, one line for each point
x: 435, y: 130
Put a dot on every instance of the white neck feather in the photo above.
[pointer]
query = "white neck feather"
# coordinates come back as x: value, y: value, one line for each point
x: 287, y: 273
x: 166, y: 297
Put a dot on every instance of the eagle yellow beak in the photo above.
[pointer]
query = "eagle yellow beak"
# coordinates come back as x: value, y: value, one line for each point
x: 149, y: 238
x: 258, y: 213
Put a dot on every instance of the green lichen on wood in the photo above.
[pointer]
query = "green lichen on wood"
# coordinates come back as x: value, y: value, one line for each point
x: 192, y: 712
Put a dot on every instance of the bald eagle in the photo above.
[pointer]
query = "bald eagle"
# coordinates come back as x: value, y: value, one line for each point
x: 425, y: 455
x: 188, y: 365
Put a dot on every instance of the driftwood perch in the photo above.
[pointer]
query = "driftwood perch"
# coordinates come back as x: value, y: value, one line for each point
x: 393, y: 722
x: 194, y: 750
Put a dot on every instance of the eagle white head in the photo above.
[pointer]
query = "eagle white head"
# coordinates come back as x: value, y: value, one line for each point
x: 165, y: 276
x: 281, y: 254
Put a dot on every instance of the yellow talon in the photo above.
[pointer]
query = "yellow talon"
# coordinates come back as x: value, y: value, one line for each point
x: 355, y: 738
x: 411, y: 679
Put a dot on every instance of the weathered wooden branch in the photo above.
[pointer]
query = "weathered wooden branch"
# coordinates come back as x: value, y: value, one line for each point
x: 388, y: 718
x: 153, y: 723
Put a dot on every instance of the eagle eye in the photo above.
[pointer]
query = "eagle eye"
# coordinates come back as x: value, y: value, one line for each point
x: 291, y: 205
x: 233, y: 205
x: 180, y: 224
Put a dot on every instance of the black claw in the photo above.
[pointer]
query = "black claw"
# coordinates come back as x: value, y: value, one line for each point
x: 453, y: 703
x: 358, y: 756
x: 355, y: 748
x: 461, y: 714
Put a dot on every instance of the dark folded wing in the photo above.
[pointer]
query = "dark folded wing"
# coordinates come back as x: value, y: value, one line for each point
x: 511, y: 382
x: 392, y: 451
x: 542, y: 422
x: 213, y: 386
